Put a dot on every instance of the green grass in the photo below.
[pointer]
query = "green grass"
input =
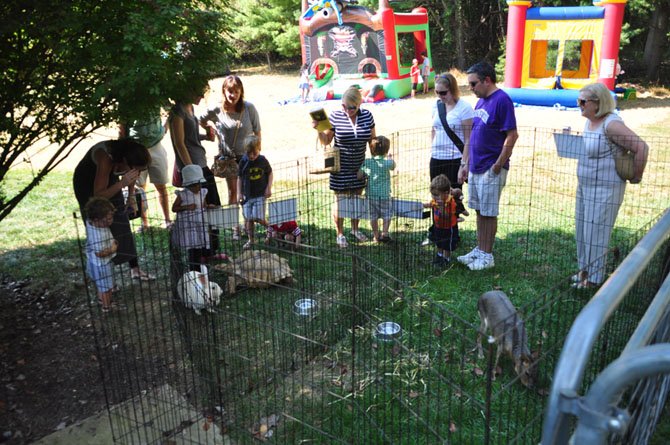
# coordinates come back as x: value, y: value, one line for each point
x: 38, y: 240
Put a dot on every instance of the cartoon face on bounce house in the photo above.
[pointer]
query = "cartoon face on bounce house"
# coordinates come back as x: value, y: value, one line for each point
x: 552, y: 52
x: 345, y: 44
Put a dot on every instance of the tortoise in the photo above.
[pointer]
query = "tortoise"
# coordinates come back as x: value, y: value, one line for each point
x: 256, y: 268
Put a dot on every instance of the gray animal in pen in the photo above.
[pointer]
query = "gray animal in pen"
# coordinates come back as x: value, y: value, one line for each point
x: 498, y: 314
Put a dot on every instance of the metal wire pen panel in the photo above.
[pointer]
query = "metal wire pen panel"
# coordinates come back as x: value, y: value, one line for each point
x: 310, y: 342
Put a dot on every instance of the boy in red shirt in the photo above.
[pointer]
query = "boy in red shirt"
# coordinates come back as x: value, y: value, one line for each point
x: 287, y: 231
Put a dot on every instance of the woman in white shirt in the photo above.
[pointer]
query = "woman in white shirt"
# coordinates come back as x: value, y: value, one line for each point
x: 445, y: 156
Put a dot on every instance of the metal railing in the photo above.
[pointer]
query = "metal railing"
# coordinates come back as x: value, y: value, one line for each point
x: 597, y: 415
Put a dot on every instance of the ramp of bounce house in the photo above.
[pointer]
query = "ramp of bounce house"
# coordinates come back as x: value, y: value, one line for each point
x: 552, y: 52
x: 347, y: 45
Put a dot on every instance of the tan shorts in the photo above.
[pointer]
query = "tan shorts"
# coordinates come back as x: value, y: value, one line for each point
x: 158, y: 168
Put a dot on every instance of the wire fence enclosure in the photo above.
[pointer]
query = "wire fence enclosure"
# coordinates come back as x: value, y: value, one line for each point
x: 368, y: 344
x: 643, y: 366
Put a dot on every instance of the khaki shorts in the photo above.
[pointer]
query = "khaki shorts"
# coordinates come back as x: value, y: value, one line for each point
x: 380, y: 208
x: 484, y: 191
x: 158, y: 168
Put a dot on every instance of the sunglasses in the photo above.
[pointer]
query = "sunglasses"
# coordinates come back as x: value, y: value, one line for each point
x: 582, y: 102
x: 441, y: 93
x: 473, y: 84
x: 349, y: 107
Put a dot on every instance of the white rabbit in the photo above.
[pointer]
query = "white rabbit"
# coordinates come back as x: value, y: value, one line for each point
x: 197, y: 292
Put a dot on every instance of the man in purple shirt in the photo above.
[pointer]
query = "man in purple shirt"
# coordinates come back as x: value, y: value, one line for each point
x: 486, y: 160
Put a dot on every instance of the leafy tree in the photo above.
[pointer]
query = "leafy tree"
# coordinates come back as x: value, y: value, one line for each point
x: 267, y: 28
x: 648, y: 25
x: 70, y: 67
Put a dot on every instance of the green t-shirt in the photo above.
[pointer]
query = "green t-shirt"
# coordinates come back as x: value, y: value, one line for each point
x: 378, y: 169
x: 147, y: 133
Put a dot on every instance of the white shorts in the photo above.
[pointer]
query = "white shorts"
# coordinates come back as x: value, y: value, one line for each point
x: 484, y: 191
x: 158, y: 168
x: 254, y: 209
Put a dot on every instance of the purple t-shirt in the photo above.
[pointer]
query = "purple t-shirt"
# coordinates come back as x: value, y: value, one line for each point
x: 494, y: 116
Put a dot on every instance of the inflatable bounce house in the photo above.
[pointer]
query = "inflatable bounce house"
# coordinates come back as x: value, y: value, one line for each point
x: 345, y: 44
x: 554, y: 51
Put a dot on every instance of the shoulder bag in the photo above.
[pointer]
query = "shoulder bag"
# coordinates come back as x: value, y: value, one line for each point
x: 442, y: 112
x: 226, y: 166
x: 624, y: 162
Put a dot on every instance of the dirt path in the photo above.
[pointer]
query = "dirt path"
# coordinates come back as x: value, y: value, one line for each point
x: 287, y: 132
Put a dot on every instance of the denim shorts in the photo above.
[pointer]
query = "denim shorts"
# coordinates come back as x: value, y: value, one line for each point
x: 254, y: 209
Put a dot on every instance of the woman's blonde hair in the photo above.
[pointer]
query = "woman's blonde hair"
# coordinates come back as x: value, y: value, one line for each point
x: 600, y: 93
x: 352, y: 96
x: 449, y: 81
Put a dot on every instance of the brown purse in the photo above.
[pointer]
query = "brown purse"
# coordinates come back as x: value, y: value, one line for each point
x: 226, y: 166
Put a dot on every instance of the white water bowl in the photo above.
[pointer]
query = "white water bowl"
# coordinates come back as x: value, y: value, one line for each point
x: 388, y: 331
x: 305, y: 306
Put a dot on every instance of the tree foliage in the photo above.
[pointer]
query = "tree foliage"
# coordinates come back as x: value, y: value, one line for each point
x: 71, y: 67
x: 267, y: 28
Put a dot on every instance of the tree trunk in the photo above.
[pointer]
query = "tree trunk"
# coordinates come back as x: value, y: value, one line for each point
x: 459, y: 23
x: 654, y: 47
x: 268, y: 56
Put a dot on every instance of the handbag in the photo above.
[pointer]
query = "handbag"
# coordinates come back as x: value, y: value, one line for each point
x: 226, y: 166
x: 176, y: 176
x: 331, y: 161
x: 624, y: 162
x: 442, y: 112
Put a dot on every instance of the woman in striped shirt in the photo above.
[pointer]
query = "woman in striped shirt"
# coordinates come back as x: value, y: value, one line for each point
x: 352, y: 129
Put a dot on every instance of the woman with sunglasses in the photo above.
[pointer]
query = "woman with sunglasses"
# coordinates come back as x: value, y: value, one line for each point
x: 232, y: 122
x: 353, y: 128
x: 600, y: 191
x: 445, y: 157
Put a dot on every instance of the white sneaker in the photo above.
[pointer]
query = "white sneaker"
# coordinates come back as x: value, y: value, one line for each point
x: 469, y: 257
x: 342, y: 241
x: 482, y: 262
